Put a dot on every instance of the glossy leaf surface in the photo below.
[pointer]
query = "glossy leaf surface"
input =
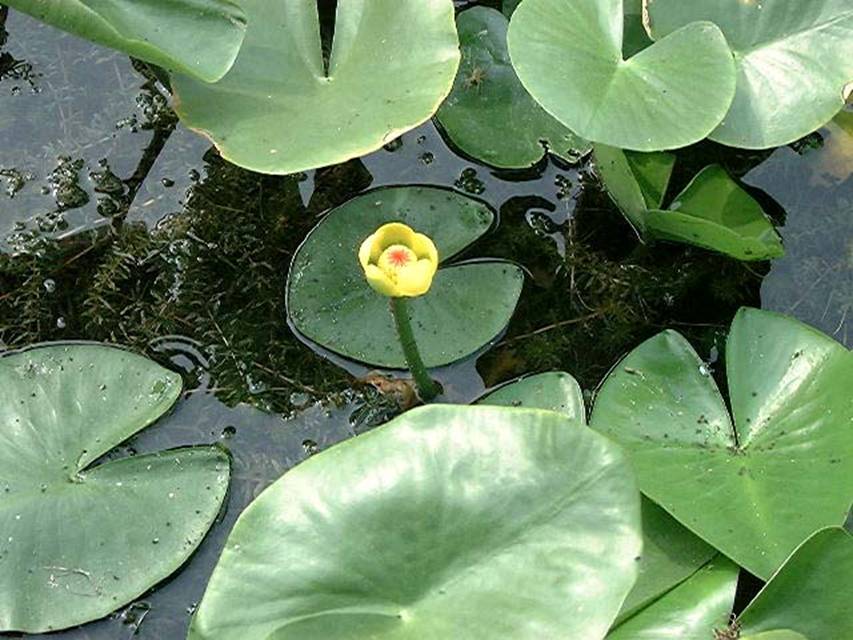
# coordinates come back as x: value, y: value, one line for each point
x: 279, y: 110
x: 793, y: 59
x: 450, y: 521
x: 755, y: 487
x: 552, y: 391
x: 174, y: 34
x: 489, y: 115
x: 330, y: 302
x: 669, y: 95
x: 82, y: 539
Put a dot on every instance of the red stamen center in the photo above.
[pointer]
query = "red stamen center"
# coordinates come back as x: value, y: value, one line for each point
x: 398, y: 257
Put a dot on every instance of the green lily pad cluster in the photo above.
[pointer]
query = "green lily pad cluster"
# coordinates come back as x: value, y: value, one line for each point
x: 712, y: 212
x: 468, y: 305
x: 81, y: 538
x: 746, y: 74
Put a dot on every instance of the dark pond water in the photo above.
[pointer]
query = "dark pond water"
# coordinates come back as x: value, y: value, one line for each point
x: 117, y: 224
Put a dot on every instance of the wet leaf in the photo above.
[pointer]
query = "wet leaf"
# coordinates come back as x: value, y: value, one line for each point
x: 449, y: 521
x: 81, y: 538
x: 755, y: 487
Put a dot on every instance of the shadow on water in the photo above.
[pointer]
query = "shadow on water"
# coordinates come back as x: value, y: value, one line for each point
x: 118, y: 225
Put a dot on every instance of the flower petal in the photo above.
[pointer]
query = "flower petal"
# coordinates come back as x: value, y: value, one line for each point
x: 392, y: 233
x: 380, y: 281
x: 415, y: 279
x: 365, y: 251
x: 424, y: 248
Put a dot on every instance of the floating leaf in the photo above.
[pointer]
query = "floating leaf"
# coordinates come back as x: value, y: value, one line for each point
x: 489, y: 115
x: 712, y: 212
x: 793, y: 59
x: 82, y: 539
x: 691, y: 611
x: 448, y: 522
x: 778, y: 634
x: 670, y: 552
x: 175, y: 35
x: 810, y: 594
x: 279, y: 110
x: 552, y: 391
x: 469, y: 304
x: 569, y: 57
x: 757, y: 487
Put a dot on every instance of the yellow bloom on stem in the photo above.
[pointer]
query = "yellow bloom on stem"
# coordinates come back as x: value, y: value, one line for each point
x: 398, y: 262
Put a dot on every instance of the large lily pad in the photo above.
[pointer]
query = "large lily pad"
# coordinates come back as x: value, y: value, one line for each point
x: 81, y: 539
x: 671, y: 553
x: 793, y: 58
x: 279, y: 110
x: 569, y: 57
x: 691, y: 611
x: 756, y: 487
x: 200, y: 38
x: 469, y: 304
x: 713, y: 211
x: 449, y: 522
x: 489, y: 115
x: 810, y: 594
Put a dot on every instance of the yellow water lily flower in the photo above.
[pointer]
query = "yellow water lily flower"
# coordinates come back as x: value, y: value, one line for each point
x: 398, y: 262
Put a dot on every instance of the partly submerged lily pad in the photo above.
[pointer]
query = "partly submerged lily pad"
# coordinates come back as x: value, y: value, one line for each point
x: 279, y: 110
x: 176, y: 35
x: 810, y: 595
x: 448, y: 522
x: 469, y: 304
x: 569, y: 57
x: 671, y: 553
x: 756, y: 487
x: 81, y: 539
x: 793, y: 57
x: 691, y: 611
x: 489, y: 115
x: 713, y: 211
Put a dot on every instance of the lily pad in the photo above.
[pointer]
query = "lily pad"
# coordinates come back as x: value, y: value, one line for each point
x: 175, y: 35
x: 793, y: 59
x: 568, y: 55
x: 713, y: 211
x: 756, y: 487
x: 552, y: 391
x: 280, y: 110
x: 448, y: 522
x: 810, y: 594
x: 469, y: 304
x: 671, y: 553
x: 489, y: 115
x: 82, y: 538
x: 691, y: 611
x: 777, y: 634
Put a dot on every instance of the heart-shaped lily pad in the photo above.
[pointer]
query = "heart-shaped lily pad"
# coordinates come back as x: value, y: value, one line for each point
x: 713, y: 211
x: 175, y: 35
x: 279, y: 110
x: 489, y: 115
x: 691, y: 611
x: 448, y: 522
x: 569, y: 57
x: 755, y: 488
x: 793, y: 59
x: 469, y: 304
x: 81, y: 539
x: 810, y: 594
x: 671, y: 553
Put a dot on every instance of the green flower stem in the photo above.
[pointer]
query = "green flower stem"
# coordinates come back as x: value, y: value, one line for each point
x: 427, y: 387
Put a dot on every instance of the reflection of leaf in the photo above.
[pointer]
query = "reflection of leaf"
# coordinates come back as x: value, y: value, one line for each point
x: 671, y: 94
x: 280, y: 111
x: 448, y: 522
x: 82, y: 540
x: 756, y: 486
